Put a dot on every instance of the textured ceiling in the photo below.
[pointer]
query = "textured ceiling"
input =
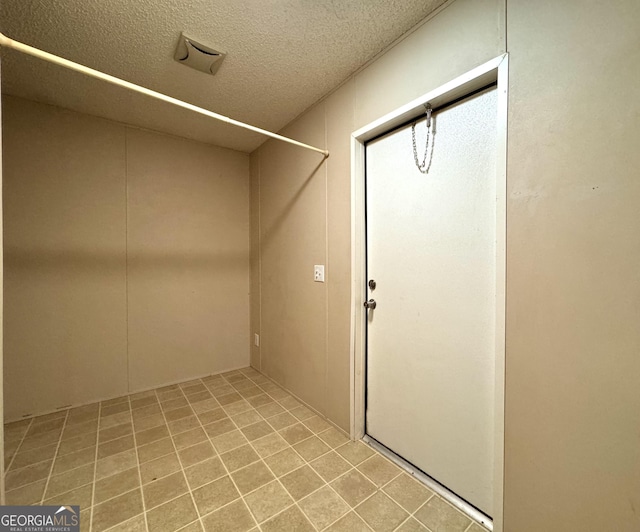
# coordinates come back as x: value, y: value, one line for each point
x: 282, y: 56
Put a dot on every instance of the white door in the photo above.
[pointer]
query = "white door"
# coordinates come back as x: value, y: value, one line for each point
x: 431, y: 338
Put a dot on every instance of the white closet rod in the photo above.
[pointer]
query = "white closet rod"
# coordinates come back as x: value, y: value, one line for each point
x: 30, y: 50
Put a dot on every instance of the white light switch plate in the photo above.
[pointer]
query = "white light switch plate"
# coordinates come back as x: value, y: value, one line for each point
x: 318, y: 273
x: 256, y: 340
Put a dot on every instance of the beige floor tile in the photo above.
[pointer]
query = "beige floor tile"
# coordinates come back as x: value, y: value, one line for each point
x: 80, y: 416
x: 411, y: 525
x: 196, y: 453
x: 160, y: 467
x: 137, y: 524
x: 228, y: 398
x: 116, y: 463
x: 33, y: 456
x: 353, y: 487
x: 301, y: 482
x: 259, y: 400
x: 189, y: 438
x: 79, y: 496
x: 407, y: 492
x: 146, y: 411
x: 211, y: 415
x: 16, y: 430
x: 349, y: 523
x: 257, y: 430
x: 252, y: 477
x: 438, y: 515
x: 323, y: 507
x: 302, y: 413
x: 27, y: 495
x: 115, y: 401
x: 311, y: 448
x: 183, y: 425
x: 116, y: 510
x: 26, y: 475
x: 316, y: 424
x: 235, y: 378
x: 289, y: 402
x: 115, y: 419
x: 45, y: 426
x: 240, y: 457
x: 284, y: 462
x: 234, y: 517
x: 205, y: 472
x: 330, y: 466
x: 85, y: 520
x: 71, y: 431
x: 199, y: 397
x: 379, y: 470
x: 117, y: 484
x: 154, y: 450
x: 355, y: 452
x: 270, y: 410
x: 143, y: 401
x: 171, y: 404
x: 246, y: 418
x: 148, y: 422
x: 40, y: 440
x: 194, y: 389
x: 237, y: 407
x: 192, y: 527
x: 116, y: 432
x: 250, y: 391
x: 296, y: 433
x: 115, y: 446
x: 172, y: 515
x: 205, y: 406
x: 278, y: 393
x: 267, y: 501
x: 151, y: 435
x: 281, y: 421
x: 214, y: 495
x: 333, y: 437
x: 164, y: 489
x: 178, y: 413
x: 291, y: 519
x: 270, y: 444
x: 219, y: 427
x: 73, y: 460
x: 76, y: 444
x: 223, y: 390
x: 114, y: 409
x: 70, y: 480
x: 381, y: 513
x: 228, y: 441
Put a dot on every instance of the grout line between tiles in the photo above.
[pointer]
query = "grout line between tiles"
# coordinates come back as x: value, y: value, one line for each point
x: 13, y: 458
x: 95, y: 467
x: 184, y: 475
x: 55, y: 457
x: 135, y: 450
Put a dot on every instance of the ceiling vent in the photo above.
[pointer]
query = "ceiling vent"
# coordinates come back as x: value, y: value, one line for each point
x: 197, y: 55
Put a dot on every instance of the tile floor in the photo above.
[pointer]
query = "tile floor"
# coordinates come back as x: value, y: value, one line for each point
x: 230, y: 452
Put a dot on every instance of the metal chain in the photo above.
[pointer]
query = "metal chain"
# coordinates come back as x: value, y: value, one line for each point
x: 423, y: 167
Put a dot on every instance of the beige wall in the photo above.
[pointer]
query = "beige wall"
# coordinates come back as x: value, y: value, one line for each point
x: 304, y: 204
x: 126, y: 258
x: 572, y: 443
x: 573, y: 257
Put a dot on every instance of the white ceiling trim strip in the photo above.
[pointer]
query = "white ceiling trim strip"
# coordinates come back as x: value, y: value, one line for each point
x: 6, y: 42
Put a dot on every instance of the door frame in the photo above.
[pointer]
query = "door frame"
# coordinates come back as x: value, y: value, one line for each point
x: 493, y: 71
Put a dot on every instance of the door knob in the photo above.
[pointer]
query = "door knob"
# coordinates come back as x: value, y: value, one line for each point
x: 371, y: 304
